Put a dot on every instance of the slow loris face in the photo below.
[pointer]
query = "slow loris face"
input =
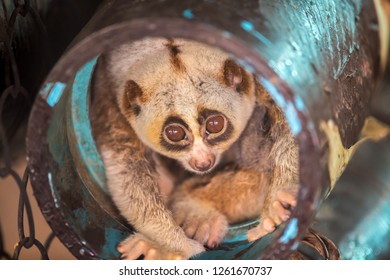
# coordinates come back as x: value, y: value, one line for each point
x: 188, y: 101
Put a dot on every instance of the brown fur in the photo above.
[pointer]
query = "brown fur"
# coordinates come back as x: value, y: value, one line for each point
x: 235, y: 76
x: 103, y: 108
x: 174, y: 56
x: 266, y: 162
x: 133, y: 95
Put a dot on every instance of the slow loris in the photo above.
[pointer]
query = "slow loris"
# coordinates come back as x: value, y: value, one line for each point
x: 159, y: 103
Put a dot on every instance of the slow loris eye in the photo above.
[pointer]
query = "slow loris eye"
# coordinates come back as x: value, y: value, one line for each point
x: 175, y: 133
x: 215, y: 124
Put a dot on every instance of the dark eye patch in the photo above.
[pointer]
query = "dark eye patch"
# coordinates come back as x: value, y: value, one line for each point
x: 223, y: 137
x: 169, y: 122
x: 204, y: 114
x: 174, y: 119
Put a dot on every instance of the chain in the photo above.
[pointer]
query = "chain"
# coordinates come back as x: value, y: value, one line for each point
x: 13, y: 89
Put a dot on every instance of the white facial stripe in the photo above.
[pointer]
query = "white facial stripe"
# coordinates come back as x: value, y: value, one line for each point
x: 200, y: 150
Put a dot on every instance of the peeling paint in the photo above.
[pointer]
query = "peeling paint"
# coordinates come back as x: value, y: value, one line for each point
x: 81, y: 125
x: 188, y: 14
x: 339, y: 156
x: 55, y: 93
x: 49, y: 177
x: 82, y: 217
x: 249, y: 27
x: 299, y: 103
x: 112, y: 238
x: 227, y: 34
x: 44, y: 92
x: 295, y: 246
x: 291, y: 231
x: 292, y: 119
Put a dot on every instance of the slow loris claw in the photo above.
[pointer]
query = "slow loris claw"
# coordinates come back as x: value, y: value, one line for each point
x: 278, y: 212
x: 208, y: 230
x: 136, y: 245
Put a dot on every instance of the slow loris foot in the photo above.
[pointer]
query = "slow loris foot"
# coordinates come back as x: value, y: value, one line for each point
x: 136, y: 245
x: 205, y: 206
x: 279, y: 211
x: 203, y: 224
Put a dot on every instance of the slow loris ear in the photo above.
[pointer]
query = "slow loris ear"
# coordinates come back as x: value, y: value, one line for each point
x: 235, y: 76
x: 232, y: 73
x: 132, y: 97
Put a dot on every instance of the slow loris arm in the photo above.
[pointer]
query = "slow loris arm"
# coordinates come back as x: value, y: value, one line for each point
x: 281, y: 198
x: 135, y: 192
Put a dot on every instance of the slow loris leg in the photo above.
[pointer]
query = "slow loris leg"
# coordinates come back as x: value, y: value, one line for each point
x: 205, y: 206
x: 284, y: 163
x: 279, y: 149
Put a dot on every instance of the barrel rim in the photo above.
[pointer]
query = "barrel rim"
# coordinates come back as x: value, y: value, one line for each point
x: 101, y: 40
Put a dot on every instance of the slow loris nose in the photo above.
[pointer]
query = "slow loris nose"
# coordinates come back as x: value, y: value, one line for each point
x: 203, y: 164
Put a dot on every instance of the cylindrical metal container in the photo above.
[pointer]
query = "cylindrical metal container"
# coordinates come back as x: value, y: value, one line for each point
x: 319, y: 60
x: 356, y: 215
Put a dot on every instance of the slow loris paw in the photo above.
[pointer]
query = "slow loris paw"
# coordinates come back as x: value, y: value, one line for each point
x: 208, y: 227
x: 136, y: 245
x: 279, y: 211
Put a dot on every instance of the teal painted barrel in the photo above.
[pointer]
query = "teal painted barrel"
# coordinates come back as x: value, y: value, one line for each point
x: 356, y: 216
x: 313, y: 58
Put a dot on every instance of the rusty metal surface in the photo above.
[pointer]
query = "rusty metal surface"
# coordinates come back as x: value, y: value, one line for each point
x: 318, y: 60
x: 322, y: 244
x: 356, y: 216
x: 315, y: 246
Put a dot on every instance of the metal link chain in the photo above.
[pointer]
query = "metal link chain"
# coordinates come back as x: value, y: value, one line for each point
x: 13, y: 90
